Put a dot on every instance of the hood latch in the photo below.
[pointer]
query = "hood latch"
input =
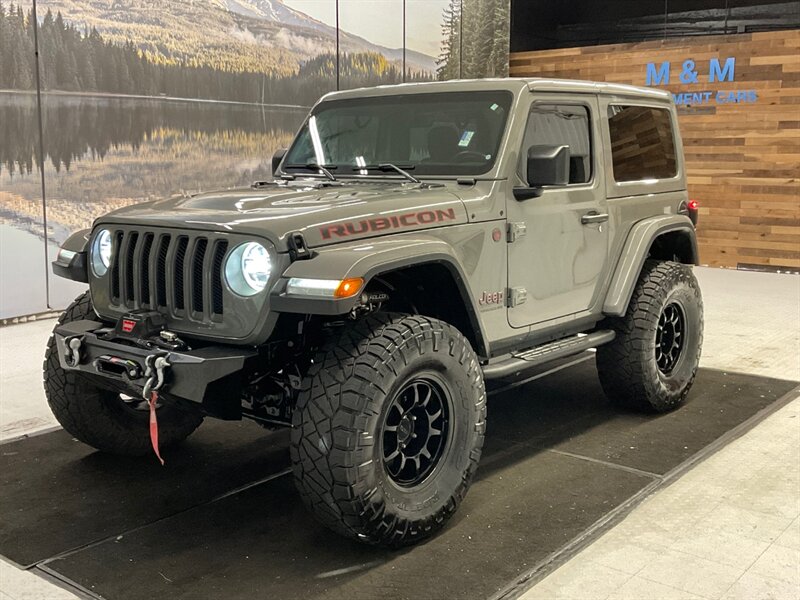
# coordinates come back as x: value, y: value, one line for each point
x: 298, y: 250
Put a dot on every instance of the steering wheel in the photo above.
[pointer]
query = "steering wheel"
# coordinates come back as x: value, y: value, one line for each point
x: 465, y: 155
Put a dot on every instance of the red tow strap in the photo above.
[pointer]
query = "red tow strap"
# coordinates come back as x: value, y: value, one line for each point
x: 154, y: 425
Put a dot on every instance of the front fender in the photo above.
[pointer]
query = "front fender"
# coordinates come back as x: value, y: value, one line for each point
x: 635, y: 252
x: 368, y: 260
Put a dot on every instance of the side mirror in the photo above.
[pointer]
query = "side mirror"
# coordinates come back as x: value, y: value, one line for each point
x: 546, y: 165
x: 277, y: 158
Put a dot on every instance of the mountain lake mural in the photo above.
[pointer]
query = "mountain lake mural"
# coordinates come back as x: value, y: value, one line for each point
x: 142, y: 99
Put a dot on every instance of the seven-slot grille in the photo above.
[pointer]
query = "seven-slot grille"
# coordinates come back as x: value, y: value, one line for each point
x: 176, y: 273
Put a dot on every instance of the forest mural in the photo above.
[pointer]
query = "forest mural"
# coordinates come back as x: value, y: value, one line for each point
x: 145, y: 98
x: 83, y: 60
x: 475, y: 38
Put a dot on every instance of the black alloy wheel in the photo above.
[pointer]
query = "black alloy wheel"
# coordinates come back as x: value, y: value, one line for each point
x: 670, y: 337
x: 416, y: 431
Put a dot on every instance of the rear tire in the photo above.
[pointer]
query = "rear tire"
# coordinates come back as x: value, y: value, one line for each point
x: 99, y: 417
x: 652, y: 362
x: 388, y: 428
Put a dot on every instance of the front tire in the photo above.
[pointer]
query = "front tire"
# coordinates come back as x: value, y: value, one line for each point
x: 99, y: 417
x: 388, y: 428
x: 652, y: 362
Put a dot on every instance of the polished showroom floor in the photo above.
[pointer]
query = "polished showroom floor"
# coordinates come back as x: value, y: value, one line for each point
x: 728, y: 528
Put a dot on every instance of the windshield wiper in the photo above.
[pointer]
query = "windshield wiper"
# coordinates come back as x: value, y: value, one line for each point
x: 386, y: 167
x: 323, y: 169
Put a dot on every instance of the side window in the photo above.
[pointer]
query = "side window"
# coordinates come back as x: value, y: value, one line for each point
x: 642, y: 143
x: 562, y: 125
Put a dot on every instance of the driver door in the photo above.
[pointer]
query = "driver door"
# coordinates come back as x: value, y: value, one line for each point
x: 555, y: 267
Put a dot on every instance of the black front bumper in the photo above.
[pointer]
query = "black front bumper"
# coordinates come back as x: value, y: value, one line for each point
x: 209, y: 375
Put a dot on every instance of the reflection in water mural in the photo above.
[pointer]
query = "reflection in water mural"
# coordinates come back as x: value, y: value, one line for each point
x: 146, y: 98
x: 101, y: 153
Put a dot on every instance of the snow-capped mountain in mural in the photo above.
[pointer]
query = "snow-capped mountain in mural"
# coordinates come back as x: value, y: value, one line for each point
x: 273, y: 10
x: 279, y: 13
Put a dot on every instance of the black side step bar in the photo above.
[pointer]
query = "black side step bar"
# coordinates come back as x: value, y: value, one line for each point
x: 538, y: 355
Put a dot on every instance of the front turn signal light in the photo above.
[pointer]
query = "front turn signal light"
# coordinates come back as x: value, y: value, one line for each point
x: 348, y: 287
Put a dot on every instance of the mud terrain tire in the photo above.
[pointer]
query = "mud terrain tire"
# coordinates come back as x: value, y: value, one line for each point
x: 652, y: 362
x: 377, y: 389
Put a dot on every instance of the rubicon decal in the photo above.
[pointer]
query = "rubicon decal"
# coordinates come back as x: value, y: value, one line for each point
x: 128, y: 325
x: 412, y: 219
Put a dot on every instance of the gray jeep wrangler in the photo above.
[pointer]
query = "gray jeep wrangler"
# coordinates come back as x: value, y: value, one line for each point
x: 416, y: 240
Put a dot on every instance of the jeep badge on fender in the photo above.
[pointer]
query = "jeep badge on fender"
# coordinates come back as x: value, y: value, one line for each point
x: 416, y: 240
x: 491, y: 298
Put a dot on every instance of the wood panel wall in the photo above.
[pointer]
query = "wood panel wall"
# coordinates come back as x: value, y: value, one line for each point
x: 742, y: 159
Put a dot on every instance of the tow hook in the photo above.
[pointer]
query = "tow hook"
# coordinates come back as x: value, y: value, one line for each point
x: 155, y: 365
x: 72, y: 350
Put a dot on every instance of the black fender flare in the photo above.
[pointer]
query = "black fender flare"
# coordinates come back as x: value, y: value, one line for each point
x: 634, y: 253
x: 72, y: 261
x: 368, y: 261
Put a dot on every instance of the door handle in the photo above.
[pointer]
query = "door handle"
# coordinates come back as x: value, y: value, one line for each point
x: 594, y: 217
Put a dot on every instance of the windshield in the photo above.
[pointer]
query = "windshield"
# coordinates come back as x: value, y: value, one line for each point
x: 451, y: 133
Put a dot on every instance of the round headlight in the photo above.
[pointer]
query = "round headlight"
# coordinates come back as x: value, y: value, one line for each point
x: 247, y: 269
x: 101, y: 252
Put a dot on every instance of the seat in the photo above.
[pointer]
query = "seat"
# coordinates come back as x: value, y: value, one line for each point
x: 442, y: 144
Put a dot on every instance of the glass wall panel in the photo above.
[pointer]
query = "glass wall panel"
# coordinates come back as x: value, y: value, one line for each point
x: 485, y: 33
x: 371, y: 42
x: 430, y: 47
x: 22, y: 259
x: 191, y: 97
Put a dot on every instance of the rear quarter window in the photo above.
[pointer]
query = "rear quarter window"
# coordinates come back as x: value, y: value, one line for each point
x: 642, y: 143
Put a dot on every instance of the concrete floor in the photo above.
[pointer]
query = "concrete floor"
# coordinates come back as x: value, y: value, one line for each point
x: 23, y: 408
x: 727, y: 528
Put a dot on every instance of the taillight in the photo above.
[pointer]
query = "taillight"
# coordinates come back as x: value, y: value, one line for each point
x: 691, y: 209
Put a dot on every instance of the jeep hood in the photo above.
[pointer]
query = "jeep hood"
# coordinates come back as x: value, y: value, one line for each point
x: 324, y: 213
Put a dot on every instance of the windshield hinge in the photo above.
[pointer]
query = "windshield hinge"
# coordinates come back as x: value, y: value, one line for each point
x: 515, y: 231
